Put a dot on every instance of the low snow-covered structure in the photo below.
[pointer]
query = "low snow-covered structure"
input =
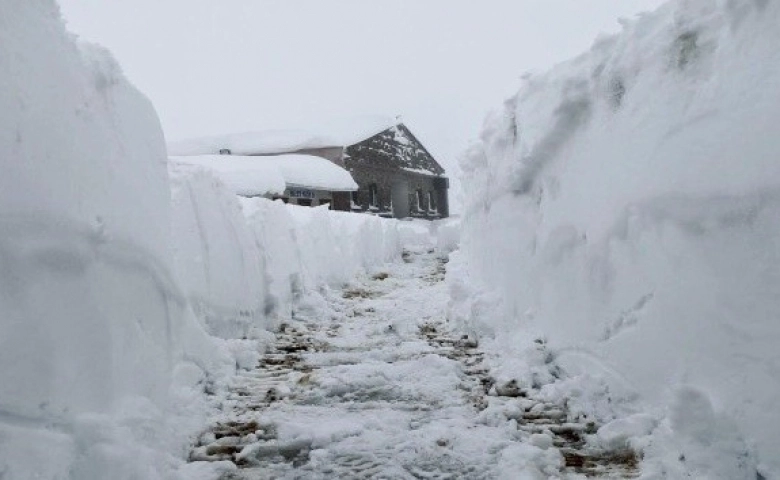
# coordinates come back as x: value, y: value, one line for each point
x: 298, y: 179
x: 395, y: 173
x: 625, y: 206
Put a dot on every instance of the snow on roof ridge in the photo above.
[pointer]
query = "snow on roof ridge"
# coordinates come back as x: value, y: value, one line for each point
x: 338, y: 133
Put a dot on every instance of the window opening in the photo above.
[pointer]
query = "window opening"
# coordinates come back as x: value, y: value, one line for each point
x: 373, y: 196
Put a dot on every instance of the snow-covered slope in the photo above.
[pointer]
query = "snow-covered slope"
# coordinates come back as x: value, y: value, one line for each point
x: 632, y: 197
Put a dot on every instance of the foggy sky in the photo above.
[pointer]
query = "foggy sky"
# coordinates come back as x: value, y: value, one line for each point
x: 217, y: 66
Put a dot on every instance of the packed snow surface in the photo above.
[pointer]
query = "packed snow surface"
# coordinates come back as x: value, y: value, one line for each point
x: 333, y: 133
x: 625, y: 206
x: 366, y: 382
x: 262, y: 175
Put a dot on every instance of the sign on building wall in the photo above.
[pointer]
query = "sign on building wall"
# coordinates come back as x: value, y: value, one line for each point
x: 301, y: 193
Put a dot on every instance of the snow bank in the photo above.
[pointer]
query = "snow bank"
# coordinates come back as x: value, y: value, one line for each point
x: 243, y: 261
x: 215, y: 254
x: 447, y: 233
x: 334, y: 133
x: 334, y: 246
x: 632, y: 200
x: 92, y: 320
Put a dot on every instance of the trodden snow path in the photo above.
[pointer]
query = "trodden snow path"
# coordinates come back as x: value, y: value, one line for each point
x: 369, y: 382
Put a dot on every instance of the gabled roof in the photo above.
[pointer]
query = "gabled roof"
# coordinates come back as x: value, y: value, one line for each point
x: 258, y: 175
x: 395, y: 147
x: 335, y: 133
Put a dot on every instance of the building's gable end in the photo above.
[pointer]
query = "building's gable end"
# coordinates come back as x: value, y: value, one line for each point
x: 395, y: 148
x: 428, y: 160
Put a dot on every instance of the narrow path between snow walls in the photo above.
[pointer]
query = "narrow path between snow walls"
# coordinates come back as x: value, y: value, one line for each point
x: 370, y: 381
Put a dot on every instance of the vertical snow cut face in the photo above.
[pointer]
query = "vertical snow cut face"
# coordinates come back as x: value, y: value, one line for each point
x: 632, y: 198
x: 91, y: 319
x: 243, y: 262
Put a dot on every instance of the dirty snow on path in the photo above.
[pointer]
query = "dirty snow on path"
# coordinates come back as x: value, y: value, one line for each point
x: 369, y: 382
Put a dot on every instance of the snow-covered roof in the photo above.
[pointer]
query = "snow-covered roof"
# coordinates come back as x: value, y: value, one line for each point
x: 334, y: 133
x: 261, y: 175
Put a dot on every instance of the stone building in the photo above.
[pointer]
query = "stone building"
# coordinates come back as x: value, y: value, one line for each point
x: 395, y: 174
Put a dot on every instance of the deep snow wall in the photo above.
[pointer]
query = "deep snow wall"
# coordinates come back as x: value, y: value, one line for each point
x: 243, y: 262
x: 126, y: 289
x: 632, y: 200
x: 92, y: 320
x: 215, y: 255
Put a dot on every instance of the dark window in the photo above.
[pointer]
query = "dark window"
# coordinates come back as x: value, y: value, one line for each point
x: 355, y: 198
x: 306, y: 202
x: 431, y: 201
x: 373, y: 195
x: 419, y: 200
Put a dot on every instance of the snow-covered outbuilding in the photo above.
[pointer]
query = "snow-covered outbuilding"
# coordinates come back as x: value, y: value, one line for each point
x: 395, y: 175
x: 296, y: 178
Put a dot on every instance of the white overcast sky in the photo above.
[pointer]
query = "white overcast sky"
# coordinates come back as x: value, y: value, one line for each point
x: 217, y: 66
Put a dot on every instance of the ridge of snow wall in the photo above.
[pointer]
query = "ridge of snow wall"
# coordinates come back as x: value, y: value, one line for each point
x: 114, y: 291
x: 632, y: 197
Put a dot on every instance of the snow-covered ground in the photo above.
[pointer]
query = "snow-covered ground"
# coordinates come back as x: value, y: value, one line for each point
x: 631, y: 197
x: 369, y: 381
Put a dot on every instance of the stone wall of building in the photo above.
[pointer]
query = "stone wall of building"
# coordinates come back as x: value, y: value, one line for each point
x: 396, y: 166
x: 388, y: 182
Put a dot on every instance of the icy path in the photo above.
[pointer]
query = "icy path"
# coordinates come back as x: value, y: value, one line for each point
x: 368, y: 383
